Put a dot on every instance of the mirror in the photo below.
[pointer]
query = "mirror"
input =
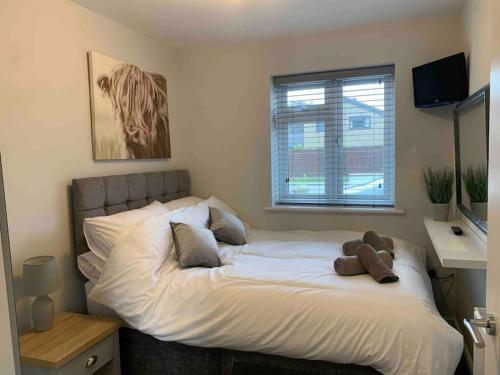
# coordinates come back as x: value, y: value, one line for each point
x: 471, y: 120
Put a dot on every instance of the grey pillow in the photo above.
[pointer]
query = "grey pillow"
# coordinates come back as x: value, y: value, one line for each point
x: 195, y: 246
x: 226, y: 227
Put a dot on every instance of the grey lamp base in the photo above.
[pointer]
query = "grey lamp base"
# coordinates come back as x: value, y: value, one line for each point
x: 42, y: 312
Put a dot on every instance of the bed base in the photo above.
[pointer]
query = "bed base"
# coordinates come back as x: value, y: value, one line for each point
x: 142, y: 354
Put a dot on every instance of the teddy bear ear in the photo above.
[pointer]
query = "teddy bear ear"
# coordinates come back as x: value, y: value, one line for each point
x: 103, y: 82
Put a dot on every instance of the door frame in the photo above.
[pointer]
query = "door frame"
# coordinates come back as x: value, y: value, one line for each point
x: 7, y: 271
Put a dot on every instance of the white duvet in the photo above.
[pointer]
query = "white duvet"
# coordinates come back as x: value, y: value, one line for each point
x: 280, y: 295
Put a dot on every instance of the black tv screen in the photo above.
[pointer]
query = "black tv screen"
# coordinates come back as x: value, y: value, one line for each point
x: 440, y: 82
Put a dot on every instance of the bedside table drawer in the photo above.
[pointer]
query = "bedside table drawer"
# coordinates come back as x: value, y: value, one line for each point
x: 77, y: 344
x: 91, y: 360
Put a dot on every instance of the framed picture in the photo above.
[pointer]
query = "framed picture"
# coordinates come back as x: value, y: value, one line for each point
x: 129, y: 111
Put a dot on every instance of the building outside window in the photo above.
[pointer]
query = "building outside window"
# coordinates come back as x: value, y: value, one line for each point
x: 359, y: 122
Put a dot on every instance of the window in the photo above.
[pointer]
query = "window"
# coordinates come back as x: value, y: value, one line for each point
x: 303, y: 98
x: 333, y: 137
x: 359, y: 122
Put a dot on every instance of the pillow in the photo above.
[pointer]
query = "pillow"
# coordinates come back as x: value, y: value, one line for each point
x: 217, y: 203
x: 91, y: 266
x: 139, y: 258
x: 103, y: 232
x: 195, y: 246
x: 181, y: 203
x: 197, y: 215
x: 226, y: 227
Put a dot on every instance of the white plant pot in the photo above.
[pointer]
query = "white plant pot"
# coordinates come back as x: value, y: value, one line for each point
x: 480, y: 209
x: 440, y: 211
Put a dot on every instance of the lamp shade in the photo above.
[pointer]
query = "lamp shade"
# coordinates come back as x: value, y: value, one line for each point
x: 40, y: 276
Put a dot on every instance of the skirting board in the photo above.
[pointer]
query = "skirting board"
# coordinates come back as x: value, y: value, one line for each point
x: 452, y: 320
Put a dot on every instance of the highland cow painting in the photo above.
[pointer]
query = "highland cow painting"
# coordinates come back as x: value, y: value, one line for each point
x: 129, y: 111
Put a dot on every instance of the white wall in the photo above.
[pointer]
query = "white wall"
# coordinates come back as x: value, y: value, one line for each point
x: 224, y: 101
x: 45, y: 132
x: 477, y: 25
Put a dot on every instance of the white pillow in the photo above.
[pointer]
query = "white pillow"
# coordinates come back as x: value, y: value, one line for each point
x: 197, y: 215
x: 138, y: 258
x: 217, y: 203
x: 182, y: 202
x: 103, y: 232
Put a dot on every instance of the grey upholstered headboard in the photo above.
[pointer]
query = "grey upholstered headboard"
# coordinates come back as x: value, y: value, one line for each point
x: 99, y: 196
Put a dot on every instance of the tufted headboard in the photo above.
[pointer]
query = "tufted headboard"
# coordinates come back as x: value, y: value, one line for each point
x: 99, y: 196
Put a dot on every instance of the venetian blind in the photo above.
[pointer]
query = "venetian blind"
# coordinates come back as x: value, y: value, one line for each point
x: 333, y: 137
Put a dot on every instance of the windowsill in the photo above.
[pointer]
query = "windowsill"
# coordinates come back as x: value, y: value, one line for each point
x: 336, y: 209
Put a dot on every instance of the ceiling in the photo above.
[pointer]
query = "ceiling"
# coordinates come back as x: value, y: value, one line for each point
x: 231, y: 21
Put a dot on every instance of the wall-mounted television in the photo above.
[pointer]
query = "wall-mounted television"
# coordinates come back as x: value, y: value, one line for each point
x: 440, y: 82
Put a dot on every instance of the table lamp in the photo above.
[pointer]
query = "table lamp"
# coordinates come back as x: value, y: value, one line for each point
x: 41, y: 277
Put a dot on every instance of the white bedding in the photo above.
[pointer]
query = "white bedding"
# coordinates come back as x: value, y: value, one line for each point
x: 279, y: 295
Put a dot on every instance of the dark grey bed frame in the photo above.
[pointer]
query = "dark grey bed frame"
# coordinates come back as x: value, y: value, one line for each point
x: 143, y: 354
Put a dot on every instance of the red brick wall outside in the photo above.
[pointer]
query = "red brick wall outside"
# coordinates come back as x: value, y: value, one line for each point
x: 300, y: 162
x: 357, y: 159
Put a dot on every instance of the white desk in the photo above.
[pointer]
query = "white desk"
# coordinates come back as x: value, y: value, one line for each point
x: 465, y: 251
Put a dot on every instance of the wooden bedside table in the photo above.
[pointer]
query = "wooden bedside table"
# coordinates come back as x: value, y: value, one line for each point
x: 77, y: 344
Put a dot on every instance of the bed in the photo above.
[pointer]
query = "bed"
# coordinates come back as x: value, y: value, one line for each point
x: 275, y: 307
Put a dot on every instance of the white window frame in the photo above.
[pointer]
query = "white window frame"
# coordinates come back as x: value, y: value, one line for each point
x: 333, y: 195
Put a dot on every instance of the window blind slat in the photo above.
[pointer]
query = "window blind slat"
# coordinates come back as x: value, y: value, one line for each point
x: 333, y: 137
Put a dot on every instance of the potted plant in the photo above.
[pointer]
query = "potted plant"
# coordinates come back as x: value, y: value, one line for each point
x: 476, y: 184
x: 440, y: 186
